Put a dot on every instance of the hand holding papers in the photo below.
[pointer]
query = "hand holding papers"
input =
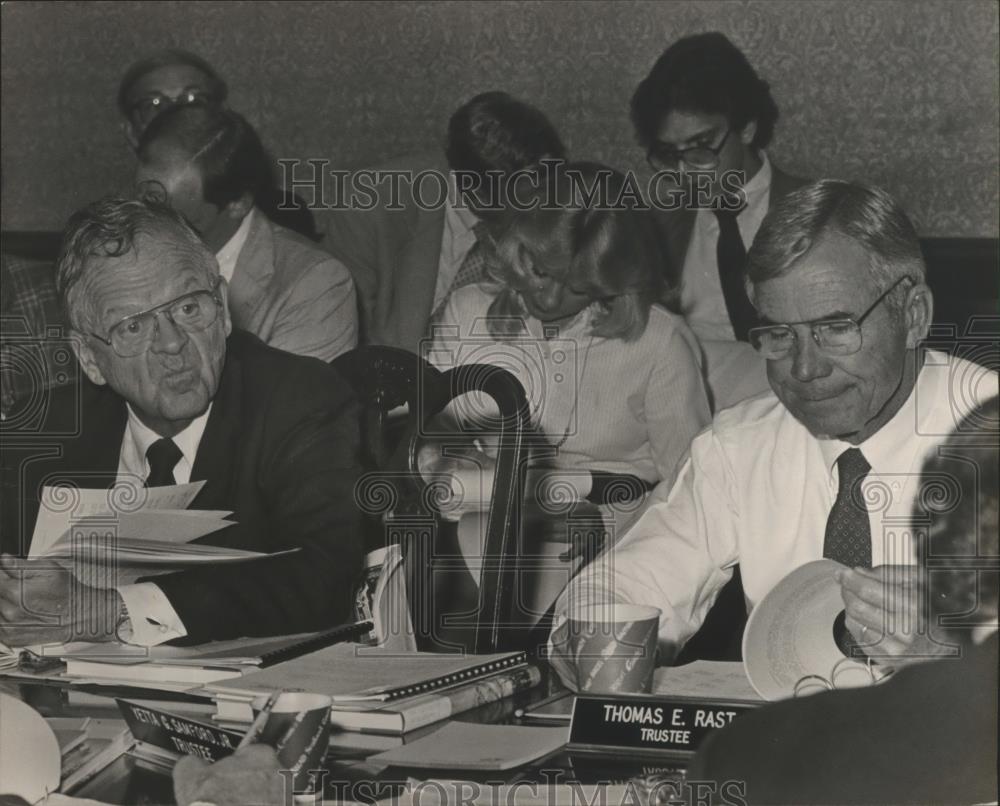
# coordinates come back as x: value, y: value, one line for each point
x: 789, y: 646
x: 88, y: 542
x: 137, y: 526
x: 61, y: 507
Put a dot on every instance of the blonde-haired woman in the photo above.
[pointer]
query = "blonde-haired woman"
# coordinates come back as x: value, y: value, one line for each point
x: 612, y: 377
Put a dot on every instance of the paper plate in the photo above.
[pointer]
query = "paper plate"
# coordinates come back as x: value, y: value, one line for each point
x: 29, y: 753
x: 790, y: 635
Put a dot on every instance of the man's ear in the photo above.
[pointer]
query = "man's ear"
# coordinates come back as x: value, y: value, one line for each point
x: 85, y: 355
x: 919, y: 311
x: 238, y: 208
x: 223, y: 292
x: 131, y: 135
x: 524, y: 261
x: 748, y: 133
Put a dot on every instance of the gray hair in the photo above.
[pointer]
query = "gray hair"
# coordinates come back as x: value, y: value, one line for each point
x: 108, y: 228
x: 867, y: 215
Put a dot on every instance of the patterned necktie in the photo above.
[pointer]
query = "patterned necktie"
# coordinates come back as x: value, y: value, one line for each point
x: 162, y: 456
x: 731, y: 256
x: 473, y: 268
x: 848, y: 533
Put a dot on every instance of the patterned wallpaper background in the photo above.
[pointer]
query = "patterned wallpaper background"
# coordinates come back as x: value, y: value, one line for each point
x: 902, y: 94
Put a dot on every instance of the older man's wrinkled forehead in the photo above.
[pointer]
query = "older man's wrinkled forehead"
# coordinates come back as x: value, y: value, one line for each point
x: 161, y: 259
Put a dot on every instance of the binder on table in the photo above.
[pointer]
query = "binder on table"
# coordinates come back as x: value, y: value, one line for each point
x: 368, y: 684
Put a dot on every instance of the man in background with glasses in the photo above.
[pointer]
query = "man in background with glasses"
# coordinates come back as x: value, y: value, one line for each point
x: 704, y: 118
x: 176, y: 396
x: 827, y: 464
x: 172, y: 77
x: 162, y: 80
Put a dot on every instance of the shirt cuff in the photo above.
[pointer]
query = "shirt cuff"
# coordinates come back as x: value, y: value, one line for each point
x: 153, y: 619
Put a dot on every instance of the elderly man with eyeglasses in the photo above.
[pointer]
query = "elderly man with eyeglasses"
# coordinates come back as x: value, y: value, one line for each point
x: 704, y: 117
x: 825, y: 465
x: 177, y: 395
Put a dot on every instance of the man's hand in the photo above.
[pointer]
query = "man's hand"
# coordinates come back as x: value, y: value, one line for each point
x: 887, y: 612
x: 249, y: 776
x: 42, y: 603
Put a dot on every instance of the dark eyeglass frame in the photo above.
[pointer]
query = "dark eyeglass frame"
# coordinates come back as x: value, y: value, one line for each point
x: 754, y: 333
x: 163, y: 308
x: 187, y: 97
x: 663, y: 157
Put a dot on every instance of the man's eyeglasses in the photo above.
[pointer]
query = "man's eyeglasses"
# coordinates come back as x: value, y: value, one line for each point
x: 190, y: 312
x: 145, y: 109
x: 832, y: 336
x: 663, y: 157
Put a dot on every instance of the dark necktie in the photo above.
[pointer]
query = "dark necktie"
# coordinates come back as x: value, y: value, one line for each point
x: 848, y: 537
x: 162, y: 456
x: 473, y: 268
x: 731, y: 256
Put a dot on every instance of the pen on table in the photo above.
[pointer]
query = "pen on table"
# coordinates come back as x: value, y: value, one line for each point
x: 520, y: 713
x: 258, y: 724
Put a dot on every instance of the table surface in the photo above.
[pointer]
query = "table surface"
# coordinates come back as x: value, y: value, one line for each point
x: 133, y: 779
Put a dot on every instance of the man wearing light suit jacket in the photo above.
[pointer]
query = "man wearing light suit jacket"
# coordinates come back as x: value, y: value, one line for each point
x: 405, y: 230
x: 282, y: 287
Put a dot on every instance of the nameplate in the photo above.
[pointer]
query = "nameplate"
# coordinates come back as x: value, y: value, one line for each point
x: 648, y: 723
x: 178, y: 734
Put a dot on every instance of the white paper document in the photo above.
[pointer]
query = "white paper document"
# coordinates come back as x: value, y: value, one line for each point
x: 62, y: 507
x: 469, y: 746
x: 114, y: 536
x: 705, y: 679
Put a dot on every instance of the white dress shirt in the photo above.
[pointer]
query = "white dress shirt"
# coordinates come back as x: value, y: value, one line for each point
x: 153, y: 618
x: 457, y: 239
x: 733, y: 369
x: 757, y: 490
x: 230, y: 252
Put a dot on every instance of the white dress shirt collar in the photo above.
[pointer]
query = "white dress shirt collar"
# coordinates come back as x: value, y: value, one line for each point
x: 139, y: 436
x: 230, y: 252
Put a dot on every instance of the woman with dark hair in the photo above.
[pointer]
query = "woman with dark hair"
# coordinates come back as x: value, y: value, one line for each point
x: 612, y: 378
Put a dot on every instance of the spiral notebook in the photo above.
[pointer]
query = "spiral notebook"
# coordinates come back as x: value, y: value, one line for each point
x: 353, y: 673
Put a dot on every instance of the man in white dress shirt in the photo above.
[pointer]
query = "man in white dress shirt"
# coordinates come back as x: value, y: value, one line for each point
x: 828, y: 463
x: 703, y: 113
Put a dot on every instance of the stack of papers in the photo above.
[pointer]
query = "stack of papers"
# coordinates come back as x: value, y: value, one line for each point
x: 167, y: 668
x: 150, y: 533
x: 706, y: 679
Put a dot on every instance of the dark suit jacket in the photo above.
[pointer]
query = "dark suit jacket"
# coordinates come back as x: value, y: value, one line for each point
x: 393, y: 254
x: 676, y: 225
x: 280, y: 450
x: 926, y: 735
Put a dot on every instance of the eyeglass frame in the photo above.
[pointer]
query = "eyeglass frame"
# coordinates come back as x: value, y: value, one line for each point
x: 677, y: 154
x: 163, y: 307
x: 876, y: 674
x: 193, y: 97
x: 857, y: 321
